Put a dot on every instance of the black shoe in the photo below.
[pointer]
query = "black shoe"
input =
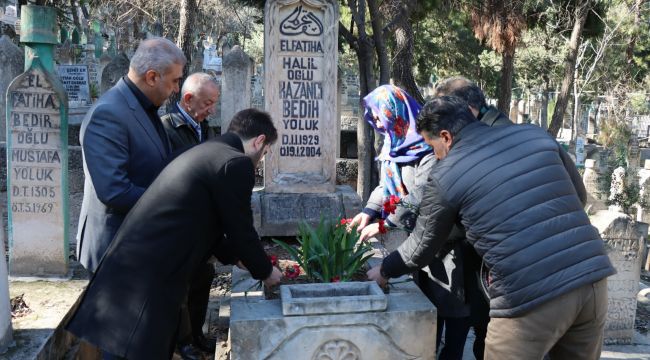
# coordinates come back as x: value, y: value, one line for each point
x: 189, y: 352
x: 205, y: 344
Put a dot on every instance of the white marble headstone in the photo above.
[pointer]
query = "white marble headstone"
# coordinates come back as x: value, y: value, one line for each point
x: 301, y: 40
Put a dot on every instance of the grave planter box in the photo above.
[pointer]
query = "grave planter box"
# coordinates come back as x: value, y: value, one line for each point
x: 354, y: 320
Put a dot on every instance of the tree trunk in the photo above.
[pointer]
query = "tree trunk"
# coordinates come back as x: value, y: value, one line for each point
x: 505, y: 83
x: 402, y: 67
x: 543, y: 115
x: 629, y: 52
x: 188, y: 12
x: 366, y: 179
x: 364, y: 48
x: 380, y: 44
x: 581, y: 12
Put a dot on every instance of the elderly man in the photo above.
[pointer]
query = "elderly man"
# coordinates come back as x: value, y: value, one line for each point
x: 513, y: 194
x: 124, y: 145
x: 132, y: 304
x: 186, y: 127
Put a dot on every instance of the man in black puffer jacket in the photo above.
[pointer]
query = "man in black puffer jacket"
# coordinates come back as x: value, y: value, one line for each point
x: 511, y: 191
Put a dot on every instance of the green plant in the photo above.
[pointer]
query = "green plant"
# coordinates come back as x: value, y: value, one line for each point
x: 329, y: 252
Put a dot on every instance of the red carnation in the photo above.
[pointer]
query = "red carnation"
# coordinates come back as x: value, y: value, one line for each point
x: 389, y: 207
x: 382, y: 228
x: 335, y: 279
x: 292, y: 272
x: 274, y: 260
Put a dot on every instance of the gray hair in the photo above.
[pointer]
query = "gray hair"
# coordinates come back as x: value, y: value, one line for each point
x: 195, y: 82
x: 463, y: 88
x: 157, y: 54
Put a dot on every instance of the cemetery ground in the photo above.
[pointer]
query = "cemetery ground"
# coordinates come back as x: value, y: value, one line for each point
x: 44, y: 304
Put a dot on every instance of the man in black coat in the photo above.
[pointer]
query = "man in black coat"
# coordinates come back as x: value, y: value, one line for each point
x: 131, y: 306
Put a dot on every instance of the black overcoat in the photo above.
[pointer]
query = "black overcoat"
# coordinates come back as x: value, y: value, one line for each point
x: 131, y: 305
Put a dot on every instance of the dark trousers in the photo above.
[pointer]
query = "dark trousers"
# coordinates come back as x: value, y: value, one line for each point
x: 455, y: 330
x: 194, y: 309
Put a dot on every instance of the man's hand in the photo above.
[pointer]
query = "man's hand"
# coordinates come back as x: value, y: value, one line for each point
x: 362, y: 219
x: 375, y: 275
x: 369, y: 231
x: 274, y: 278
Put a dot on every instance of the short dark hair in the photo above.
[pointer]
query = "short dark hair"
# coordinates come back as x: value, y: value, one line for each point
x: 444, y: 113
x: 250, y: 123
x: 463, y: 88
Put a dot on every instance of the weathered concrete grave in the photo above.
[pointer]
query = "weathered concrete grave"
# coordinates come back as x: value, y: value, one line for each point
x: 350, y: 321
x: 113, y: 72
x: 236, y: 85
x: 624, y: 243
x: 37, y: 188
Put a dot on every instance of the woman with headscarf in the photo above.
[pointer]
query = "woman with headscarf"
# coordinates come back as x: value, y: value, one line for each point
x: 406, y: 161
x: 404, y: 158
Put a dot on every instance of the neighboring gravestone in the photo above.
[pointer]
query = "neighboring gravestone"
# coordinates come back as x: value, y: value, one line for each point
x: 624, y: 243
x: 13, y: 64
x: 37, y: 188
x: 118, y: 67
x: 590, y: 179
x: 5, y: 308
x: 65, y: 53
x: 236, y: 85
x: 76, y: 84
x: 300, y: 93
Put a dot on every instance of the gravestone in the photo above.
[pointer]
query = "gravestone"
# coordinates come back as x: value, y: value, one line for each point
x: 92, y: 64
x: 37, y: 188
x: 6, y: 337
x: 76, y: 83
x: 633, y: 152
x: 65, y: 53
x: 300, y: 94
x: 236, y: 85
x: 624, y: 244
x: 104, y: 60
x: 644, y: 192
x: 13, y: 63
x: 590, y: 179
x: 113, y: 72
x: 300, y: 70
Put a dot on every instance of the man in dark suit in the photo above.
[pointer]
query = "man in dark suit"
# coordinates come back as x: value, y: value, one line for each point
x: 124, y: 145
x: 131, y: 306
x: 186, y: 127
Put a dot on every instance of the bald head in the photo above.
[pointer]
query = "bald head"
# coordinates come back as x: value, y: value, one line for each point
x: 199, y: 96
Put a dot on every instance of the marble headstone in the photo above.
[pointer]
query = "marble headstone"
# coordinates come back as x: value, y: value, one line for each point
x: 76, y: 83
x: 37, y: 184
x: 301, y: 40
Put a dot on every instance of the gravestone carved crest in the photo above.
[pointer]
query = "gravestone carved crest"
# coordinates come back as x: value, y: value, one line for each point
x: 337, y: 350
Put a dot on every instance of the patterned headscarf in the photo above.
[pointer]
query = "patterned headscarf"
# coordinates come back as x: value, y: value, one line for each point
x: 392, y: 112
